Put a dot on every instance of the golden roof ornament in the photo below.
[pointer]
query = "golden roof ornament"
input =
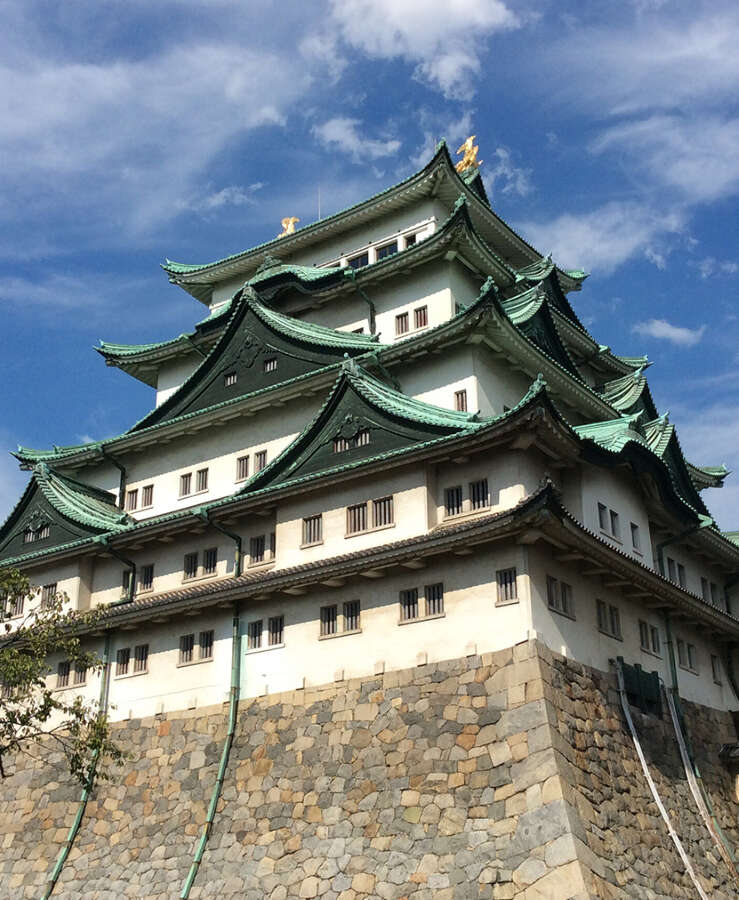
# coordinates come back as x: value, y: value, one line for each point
x: 469, y: 160
x: 288, y: 225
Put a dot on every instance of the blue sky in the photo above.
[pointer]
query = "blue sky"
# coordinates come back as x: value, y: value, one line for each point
x: 131, y: 131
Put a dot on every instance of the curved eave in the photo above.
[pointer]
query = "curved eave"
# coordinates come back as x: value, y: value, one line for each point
x: 707, y: 476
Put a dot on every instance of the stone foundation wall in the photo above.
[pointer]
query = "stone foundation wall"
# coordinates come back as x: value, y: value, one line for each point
x: 509, y: 775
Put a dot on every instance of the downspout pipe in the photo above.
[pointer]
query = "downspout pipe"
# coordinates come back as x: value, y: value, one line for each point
x: 131, y: 592
x: 351, y: 274
x: 90, y: 781
x: 122, y: 481
x: 236, y: 538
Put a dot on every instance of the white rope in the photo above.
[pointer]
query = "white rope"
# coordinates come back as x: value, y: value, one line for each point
x: 653, y: 787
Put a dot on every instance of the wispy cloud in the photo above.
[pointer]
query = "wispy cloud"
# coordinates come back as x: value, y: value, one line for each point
x: 709, y: 267
x: 661, y: 329
x: 233, y: 195
x: 501, y: 176
x: 345, y: 134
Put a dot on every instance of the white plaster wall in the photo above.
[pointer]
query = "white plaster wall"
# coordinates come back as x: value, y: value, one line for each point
x: 70, y: 580
x: 173, y: 374
x: 498, y: 385
x: 435, y: 378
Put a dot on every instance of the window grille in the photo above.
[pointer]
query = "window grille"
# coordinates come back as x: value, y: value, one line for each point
x: 43, y: 532
x: 434, y: 597
x: 351, y: 615
x: 716, y: 669
x: 453, y: 500
x: 329, y: 619
x: 635, y: 537
x: 382, y: 512
x: 210, y: 561
x: 48, y: 592
x: 15, y: 606
x: 132, y: 499
x: 147, y: 577
x: 565, y: 597
x: 479, y: 498
x: 260, y: 460
x: 313, y: 529
x: 615, y: 524
x: 692, y: 658
x: 242, y: 468
x: 409, y: 605
x: 141, y: 658
x: 654, y: 635
x: 603, y: 517
x: 644, y: 636
x: 205, y: 641
x: 187, y: 645
x: 230, y: 378
x: 681, y: 575
x: 147, y: 495
x: 507, y: 585
x: 122, y: 661
x: 356, y: 518
x: 80, y: 675
x: 185, y: 484
x: 681, y: 655
x: 191, y: 565
x: 387, y: 250
x: 460, y: 401
x: 356, y: 262
x: 29, y: 536
x: 62, y: 674
x: 254, y: 635
x: 270, y: 365
x: 256, y: 549
x: 609, y: 619
x: 125, y: 582
x: 401, y: 323
x: 421, y: 316
x: 276, y: 630
x: 361, y: 439
x: 202, y: 480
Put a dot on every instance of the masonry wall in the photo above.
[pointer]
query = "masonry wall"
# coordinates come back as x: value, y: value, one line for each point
x: 509, y: 775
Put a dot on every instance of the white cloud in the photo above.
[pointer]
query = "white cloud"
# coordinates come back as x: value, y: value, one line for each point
x: 233, y: 195
x: 341, y: 133
x: 501, y: 176
x: 710, y: 266
x: 661, y: 329
x: 444, y: 38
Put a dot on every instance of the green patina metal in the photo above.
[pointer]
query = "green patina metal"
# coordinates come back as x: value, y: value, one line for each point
x: 630, y: 394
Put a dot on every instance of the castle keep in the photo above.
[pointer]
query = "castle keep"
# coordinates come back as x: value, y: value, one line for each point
x: 411, y: 591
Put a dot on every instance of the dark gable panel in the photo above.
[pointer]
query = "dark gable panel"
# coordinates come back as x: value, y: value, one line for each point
x: 35, y: 512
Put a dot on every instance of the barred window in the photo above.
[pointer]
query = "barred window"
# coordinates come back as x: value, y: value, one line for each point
x: 147, y: 495
x: 507, y: 585
x: 260, y: 460
x: 692, y: 658
x: 565, y: 597
x: 270, y: 365
x: 681, y: 575
x: 210, y: 561
x: 202, y: 480
x: 254, y: 635
x: 716, y: 669
x: 187, y: 645
x: 242, y: 468
x: 62, y: 674
x: 276, y: 630
x: 434, y: 597
x: 191, y: 565
x: 361, y: 439
x: 453, y: 500
x: 401, y: 323
x: 141, y: 658
x: 714, y: 595
x: 609, y: 619
x: 43, y: 531
x: 479, y: 497
x: 256, y: 549
x: 29, y: 536
x: 230, y: 378
x: 185, y: 484
x: 132, y: 499
x: 387, y: 250
x: 635, y: 536
x: 357, y: 262
x: 329, y: 619
x: 382, y: 512
x: 681, y: 654
x: 671, y: 569
x: 409, y: 604
x: 351, y: 615
x: 421, y: 316
x: 313, y: 529
x: 125, y: 582
x: 356, y: 518
x: 460, y: 401
x: 205, y: 643
x: 654, y: 636
x: 48, y: 592
x: 644, y: 635
x: 122, y: 661
x: 15, y: 606
x: 80, y: 675
x: 615, y: 526
x: 147, y: 577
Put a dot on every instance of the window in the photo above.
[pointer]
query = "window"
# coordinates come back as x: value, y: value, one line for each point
x: 62, y: 674
x: 147, y: 496
x: 460, y: 401
x: 29, y: 536
x: 132, y: 499
x: 479, y: 498
x: 635, y: 537
x: 210, y: 561
x: 409, y: 605
x: 242, y: 468
x: 185, y: 484
x: 15, y: 606
x: 256, y: 549
x: 603, y: 517
x: 671, y: 569
x: 270, y: 365
x: 146, y: 582
x: 507, y: 585
x: 205, y: 642
x: 202, y: 480
x: 716, y: 669
x: 644, y: 636
x: 48, y: 592
x: 125, y: 583
x: 705, y: 591
x: 122, y: 661
x: 351, y: 615
x: 356, y: 518
x: 714, y: 595
x: 191, y: 565
x: 609, y: 522
x: 681, y: 575
x: 609, y: 619
x: 382, y: 512
x: 260, y: 460
x: 615, y: 525
x: 276, y: 631
x: 434, y: 596
x: 692, y: 658
x: 312, y: 530
x: 254, y: 635
x: 36, y: 534
x: 329, y: 619
x: 410, y: 239
x: 43, y: 531
x: 187, y: 645
x: 80, y: 675
x: 682, y: 657
x: 559, y: 597
x: 649, y: 638
x: 141, y: 658
x: 453, y: 500
x: 356, y: 262
x: 387, y: 250
x: 401, y: 323
x: 230, y: 378
x: 361, y: 439
x: 654, y: 638
x: 421, y: 317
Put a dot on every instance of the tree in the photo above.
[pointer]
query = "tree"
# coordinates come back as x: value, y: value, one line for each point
x: 36, y: 719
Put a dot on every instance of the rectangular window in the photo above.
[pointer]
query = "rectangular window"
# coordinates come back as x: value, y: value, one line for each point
x: 692, y: 658
x: 147, y: 496
x: 681, y: 654
x: 256, y: 548
x: 671, y: 569
x: 205, y: 641
x: 260, y: 460
x: 122, y: 661
x: 329, y: 618
x: 382, y: 512
x: 453, y: 500
x: 356, y: 518
x: 507, y: 585
x: 254, y: 635
x: 716, y: 669
x: 132, y: 499
x: 479, y: 498
x: 603, y: 517
x: 270, y: 365
x: 62, y: 674
x: 185, y: 484
x: 187, y: 646
x: 614, y: 617
x: 401, y: 323
x: 681, y: 575
x: 565, y: 597
x: 356, y: 262
x: 410, y: 239
x: 229, y: 379
x: 210, y: 561
x: 409, y: 605
x: 202, y: 480
x: 351, y: 615
x: 313, y: 530
x: 15, y: 606
x: 276, y: 630
x: 635, y: 537
x: 705, y: 592
x: 615, y: 524
x: 242, y: 468
x: 125, y: 582
x: 654, y: 635
x: 421, y: 316
x: 434, y: 596
x: 609, y: 619
x: 714, y: 595
x: 460, y: 401
x: 387, y: 250
x: 48, y: 592
x: 80, y: 675
x: 146, y: 582
x: 190, y: 566
x: 141, y: 658
x: 644, y: 636
x: 43, y: 532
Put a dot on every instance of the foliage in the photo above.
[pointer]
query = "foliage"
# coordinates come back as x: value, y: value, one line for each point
x: 36, y: 718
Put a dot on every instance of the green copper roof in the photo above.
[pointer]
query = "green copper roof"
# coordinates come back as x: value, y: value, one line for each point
x: 114, y: 351
x: 615, y: 434
x: 626, y: 392
x: 274, y: 268
x: 80, y: 502
x: 732, y: 536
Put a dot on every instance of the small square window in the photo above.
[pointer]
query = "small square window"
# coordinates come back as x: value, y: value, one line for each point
x: 420, y: 317
x: 460, y: 401
x: 254, y: 635
x: 132, y: 499
x: 410, y: 239
x: 48, y: 593
x: 146, y: 581
x: 409, y: 605
x: 141, y: 658
x: 382, y: 512
x: 147, y: 496
x: 122, y: 661
x: 635, y: 537
x: 434, y: 597
x: 351, y: 615
x: 205, y: 642
x: 329, y: 618
x: 356, y: 518
x: 242, y: 468
x: 479, y: 497
x: 230, y: 378
x: 62, y: 674
x: 270, y: 364
x: 185, y: 484
x: 453, y: 500
x: 276, y: 630
x: 507, y: 585
x: 357, y: 262
x: 312, y: 530
x: 210, y: 561
x: 202, y: 480
x: 187, y: 648
x: 260, y: 460
x: 401, y: 323
x: 387, y: 250
x: 190, y: 566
